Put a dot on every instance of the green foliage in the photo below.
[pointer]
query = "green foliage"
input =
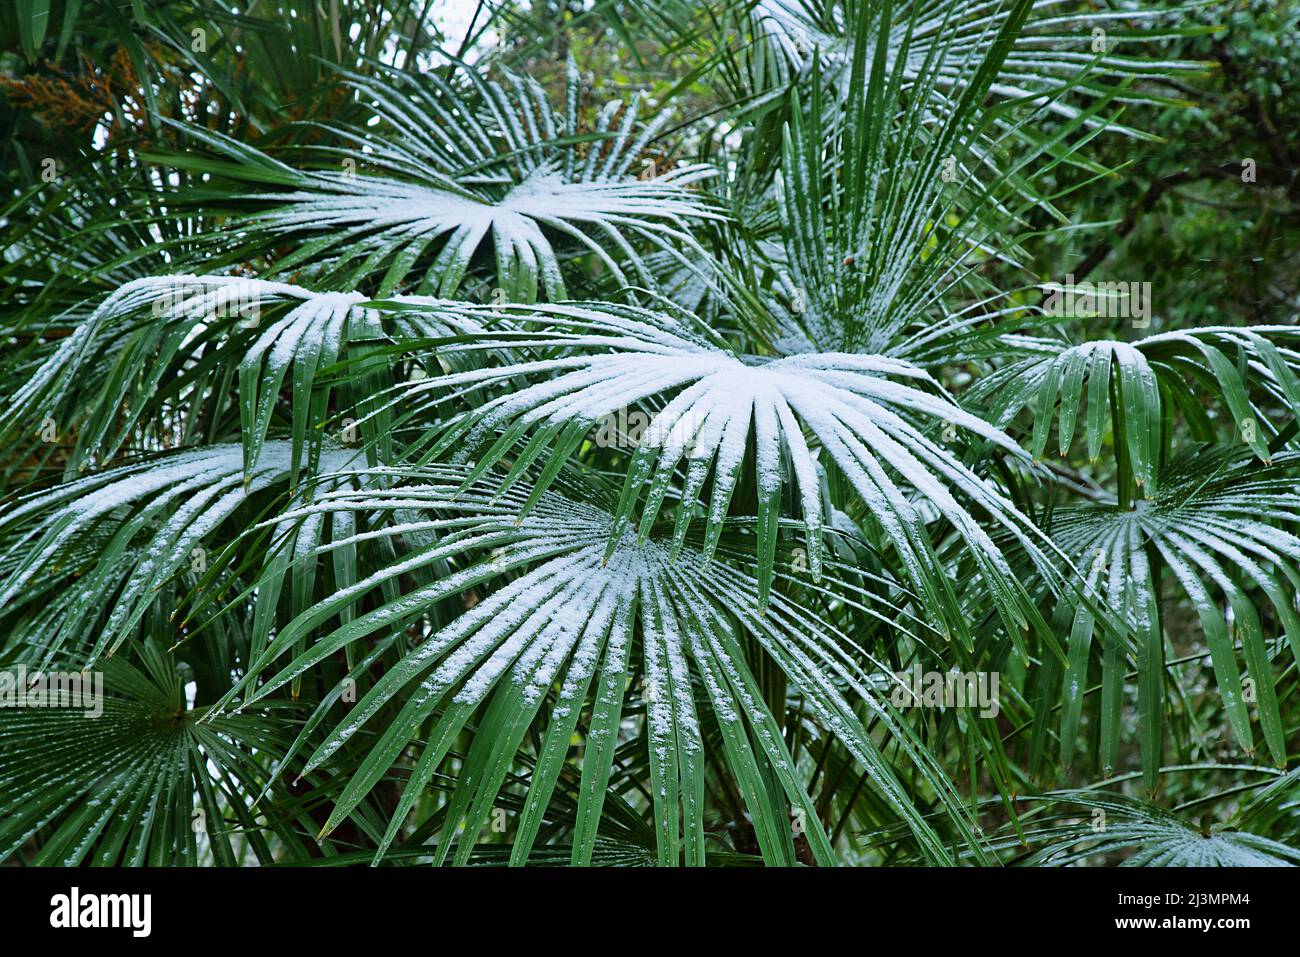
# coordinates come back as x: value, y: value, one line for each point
x: 560, y: 441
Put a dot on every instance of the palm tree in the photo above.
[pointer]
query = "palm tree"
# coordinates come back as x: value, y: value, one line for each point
x: 441, y: 464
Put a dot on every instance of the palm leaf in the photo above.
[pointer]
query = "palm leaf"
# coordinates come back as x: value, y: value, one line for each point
x: 144, y: 782
x: 463, y: 160
x: 561, y: 635
x: 109, y: 541
x: 1147, y: 836
x: 1219, y: 525
x: 867, y: 423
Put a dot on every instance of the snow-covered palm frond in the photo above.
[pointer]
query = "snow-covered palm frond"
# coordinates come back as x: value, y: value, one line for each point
x: 1179, y: 367
x: 563, y: 632
x: 455, y: 162
x: 1057, y: 44
x: 1219, y: 525
x: 127, y: 787
x: 868, y: 414
x: 158, y: 337
x: 1147, y: 836
x: 81, y: 564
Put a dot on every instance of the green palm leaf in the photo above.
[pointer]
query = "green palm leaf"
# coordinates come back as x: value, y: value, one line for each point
x: 144, y: 782
x: 1219, y: 526
x: 1147, y: 836
x: 462, y: 160
x: 562, y: 634
x: 862, y: 418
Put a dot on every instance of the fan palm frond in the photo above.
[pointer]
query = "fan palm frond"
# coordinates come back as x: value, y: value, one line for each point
x: 1147, y: 836
x: 1125, y: 383
x: 1056, y: 43
x: 462, y: 160
x: 1219, y: 525
x: 868, y: 424
x: 561, y: 634
x: 144, y: 781
x: 160, y: 340
x: 109, y: 541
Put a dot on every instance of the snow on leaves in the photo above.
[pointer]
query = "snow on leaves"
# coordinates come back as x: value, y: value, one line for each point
x: 871, y: 425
